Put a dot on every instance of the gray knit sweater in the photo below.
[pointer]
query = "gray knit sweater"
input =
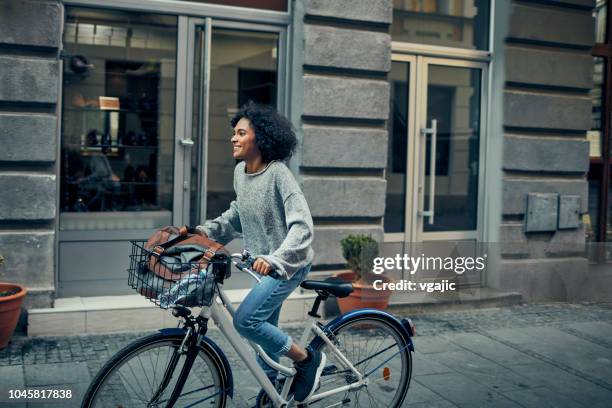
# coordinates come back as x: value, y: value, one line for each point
x: 271, y: 214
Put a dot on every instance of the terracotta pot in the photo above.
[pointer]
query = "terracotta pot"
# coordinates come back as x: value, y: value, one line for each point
x: 364, y: 295
x: 10, y: 307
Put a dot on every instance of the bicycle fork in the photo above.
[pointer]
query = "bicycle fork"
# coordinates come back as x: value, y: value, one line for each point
x: 190, y: 347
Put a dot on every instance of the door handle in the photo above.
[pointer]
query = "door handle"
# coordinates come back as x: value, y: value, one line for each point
x: 186, y: 142
x: 433, y: 131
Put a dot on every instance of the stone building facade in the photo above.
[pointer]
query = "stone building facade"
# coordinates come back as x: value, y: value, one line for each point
x: 347, y: 48
x: 337, y: 90
x: 31, y: 38
x: 547, y: 113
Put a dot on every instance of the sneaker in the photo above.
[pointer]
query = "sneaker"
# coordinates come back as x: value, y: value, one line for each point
x: 308, y: 374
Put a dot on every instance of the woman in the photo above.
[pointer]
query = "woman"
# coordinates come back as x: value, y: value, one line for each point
x: 273, y: 217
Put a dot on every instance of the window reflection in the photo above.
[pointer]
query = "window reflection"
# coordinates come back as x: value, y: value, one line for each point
x: 453, y: 100
x: 395, y: 205
x: 243, y: 67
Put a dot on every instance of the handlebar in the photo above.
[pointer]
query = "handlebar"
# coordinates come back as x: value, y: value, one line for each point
x: 244, y: 262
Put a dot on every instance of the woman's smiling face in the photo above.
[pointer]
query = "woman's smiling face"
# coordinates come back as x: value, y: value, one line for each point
x: 243, y: 141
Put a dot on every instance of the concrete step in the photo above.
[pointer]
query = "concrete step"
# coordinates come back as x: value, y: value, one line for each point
x: 410, y: 303
x: 107, y: 314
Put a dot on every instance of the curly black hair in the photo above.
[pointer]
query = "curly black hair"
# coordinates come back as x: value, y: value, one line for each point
x: 274, y: 133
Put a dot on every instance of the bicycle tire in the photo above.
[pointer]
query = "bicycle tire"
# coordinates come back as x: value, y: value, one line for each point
x: 385, y: 376
x: 108, y: 389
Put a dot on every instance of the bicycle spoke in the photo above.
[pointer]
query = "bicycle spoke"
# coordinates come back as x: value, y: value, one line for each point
x: 155, y: 367
x: 125, y: 382
x: 370, y: 352
x: 138, y: 383
x: 386, y: 361
x: 146, y: 375
x: 193, y: 391
x: 204, y: 399
x: 371, y: 397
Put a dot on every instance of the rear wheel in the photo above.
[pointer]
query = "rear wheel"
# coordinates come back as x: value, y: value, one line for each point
x: 379, y: 352
x: 145, y: 373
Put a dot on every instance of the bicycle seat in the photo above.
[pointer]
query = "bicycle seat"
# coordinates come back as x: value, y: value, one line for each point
x: 337, y: 288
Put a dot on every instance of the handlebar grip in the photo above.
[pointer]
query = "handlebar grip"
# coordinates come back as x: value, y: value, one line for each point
x: 273, y: 273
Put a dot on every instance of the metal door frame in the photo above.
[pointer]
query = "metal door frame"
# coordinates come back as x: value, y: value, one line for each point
x: 407, y: 235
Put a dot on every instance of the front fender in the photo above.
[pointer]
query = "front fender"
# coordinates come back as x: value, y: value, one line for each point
x: 216, y: 350
x: 403, y: 327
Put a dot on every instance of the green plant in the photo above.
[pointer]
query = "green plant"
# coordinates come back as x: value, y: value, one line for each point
x: 359, y: 252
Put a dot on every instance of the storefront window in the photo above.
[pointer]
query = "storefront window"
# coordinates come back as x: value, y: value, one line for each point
x: 449, y: 23
x: 117, y: 150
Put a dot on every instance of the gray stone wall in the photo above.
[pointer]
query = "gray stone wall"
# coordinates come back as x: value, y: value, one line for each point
x: 30, y: 39
x: 547, y: 111
x: 346, y: 58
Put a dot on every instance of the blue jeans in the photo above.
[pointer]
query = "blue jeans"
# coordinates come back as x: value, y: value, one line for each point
x: 257, y: 317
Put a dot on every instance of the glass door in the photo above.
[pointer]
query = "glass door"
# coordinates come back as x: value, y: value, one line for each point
x: 231, y: 64
x: 434, y: 195
x: 448, y: 162
x: 448, y: 140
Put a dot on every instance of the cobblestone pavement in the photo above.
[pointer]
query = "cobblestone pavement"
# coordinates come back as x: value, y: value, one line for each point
x: 542, y: 355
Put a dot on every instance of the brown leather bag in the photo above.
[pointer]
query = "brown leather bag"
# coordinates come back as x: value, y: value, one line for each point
x: 175, y: 253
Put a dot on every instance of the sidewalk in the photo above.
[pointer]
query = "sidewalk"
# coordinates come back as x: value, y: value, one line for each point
x: 549, y: 355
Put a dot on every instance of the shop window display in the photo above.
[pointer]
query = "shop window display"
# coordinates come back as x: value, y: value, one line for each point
x: 118, y: 119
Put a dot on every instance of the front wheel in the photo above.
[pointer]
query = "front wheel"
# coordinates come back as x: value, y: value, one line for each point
x: 145, y: 373
x: 379, y: 352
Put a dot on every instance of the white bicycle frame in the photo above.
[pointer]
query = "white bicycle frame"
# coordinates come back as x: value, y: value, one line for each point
x: 221, y: 312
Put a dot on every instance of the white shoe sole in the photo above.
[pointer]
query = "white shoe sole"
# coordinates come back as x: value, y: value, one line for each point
x: 317, y: 377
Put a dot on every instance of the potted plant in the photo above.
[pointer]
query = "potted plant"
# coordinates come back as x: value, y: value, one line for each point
x: 11, y: 298
x: 359, y: 252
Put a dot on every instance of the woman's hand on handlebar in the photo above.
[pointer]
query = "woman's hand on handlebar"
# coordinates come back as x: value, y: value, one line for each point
x: 262, y: 267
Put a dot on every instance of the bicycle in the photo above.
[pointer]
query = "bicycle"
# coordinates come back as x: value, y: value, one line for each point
x: 369, y: 354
